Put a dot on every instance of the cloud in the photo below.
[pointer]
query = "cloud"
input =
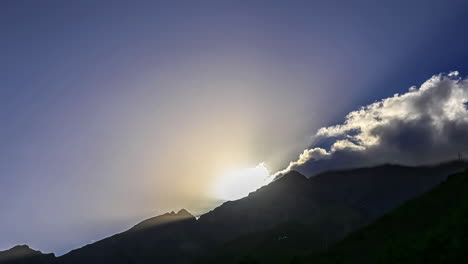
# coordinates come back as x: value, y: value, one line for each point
x: 424, y: 125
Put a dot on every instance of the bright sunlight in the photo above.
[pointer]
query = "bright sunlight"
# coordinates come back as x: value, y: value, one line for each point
x: 238, y: 184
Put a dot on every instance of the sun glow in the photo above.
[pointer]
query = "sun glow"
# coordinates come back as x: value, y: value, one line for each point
x: 238, y: 184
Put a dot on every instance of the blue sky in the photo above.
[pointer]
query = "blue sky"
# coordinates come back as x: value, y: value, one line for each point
x: 114, y: 111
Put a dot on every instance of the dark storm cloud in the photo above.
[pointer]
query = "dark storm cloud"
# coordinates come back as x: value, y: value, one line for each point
x: 425, y: 125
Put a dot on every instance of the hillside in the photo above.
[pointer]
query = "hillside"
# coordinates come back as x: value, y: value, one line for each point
x: 180, y: 238
x: 169, y: 238
x: 291, y: 216
x: 25, y: 255
x: 429, y: 229
x: 368, y: 192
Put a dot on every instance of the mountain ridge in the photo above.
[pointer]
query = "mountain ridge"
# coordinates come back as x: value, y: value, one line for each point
x: 25, y: 254
x: 336, y: 201
x: 163, y: 219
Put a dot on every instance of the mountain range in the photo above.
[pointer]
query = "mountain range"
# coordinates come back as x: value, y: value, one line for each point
x: 292, y: 216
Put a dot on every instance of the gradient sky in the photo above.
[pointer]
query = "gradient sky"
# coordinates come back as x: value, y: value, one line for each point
x: 115, y: 111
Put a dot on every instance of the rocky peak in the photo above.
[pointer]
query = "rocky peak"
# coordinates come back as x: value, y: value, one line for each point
x: 166, y: 218
x: 20, y: 252
x: 184, y: 213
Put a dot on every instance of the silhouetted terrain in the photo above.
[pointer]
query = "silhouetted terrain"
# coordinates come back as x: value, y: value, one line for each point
x: 368, y: 191
x: 379, y: 189
x: 291, y: 216
x: 24, y: 255
x: 429, y: 229
x: 162, y: 239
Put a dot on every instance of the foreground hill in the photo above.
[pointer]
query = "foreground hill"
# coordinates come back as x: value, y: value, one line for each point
x: 291, y: 216
x: 429, y: 229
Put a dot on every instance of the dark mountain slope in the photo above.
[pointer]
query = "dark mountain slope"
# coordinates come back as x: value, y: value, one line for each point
x: 328, y: 207
x: 169, y: 238
x: 377, y: 190
x: 358, y: 196
x: 179, y: 238
x: 25, y: 255
x: 285, y: 200
x: 278, y: 213
x: 429, y: 229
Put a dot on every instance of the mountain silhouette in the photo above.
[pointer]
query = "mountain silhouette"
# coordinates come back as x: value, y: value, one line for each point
x: 25, y: 255
x: 431, y: 228
x: 169, y: 238
x: 376, y: 190
x: 180, y: 238
x: 362, y: 195
x: 163, y: 220
x: 295, y: 210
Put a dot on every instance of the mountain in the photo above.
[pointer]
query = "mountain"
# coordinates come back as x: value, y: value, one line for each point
x: 169, y: 238
x: 292, y: 215
x: 287, y: 202
x: 429, y: 229
x: 376, y: 190
x: 180, y: 238
x: 366, y: 192
x: 287, y: 199
x: 25, y: 255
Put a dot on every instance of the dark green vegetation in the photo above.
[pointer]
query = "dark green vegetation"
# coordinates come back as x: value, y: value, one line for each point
x: 300, y: 220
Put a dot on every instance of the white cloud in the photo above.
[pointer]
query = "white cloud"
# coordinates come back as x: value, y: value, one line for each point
x: 308, y: 154
x: 426, y: 124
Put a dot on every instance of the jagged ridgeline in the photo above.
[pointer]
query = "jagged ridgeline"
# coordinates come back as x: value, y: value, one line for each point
x: 292, y: 219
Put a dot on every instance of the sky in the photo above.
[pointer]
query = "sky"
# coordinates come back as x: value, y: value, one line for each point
x: 115, y: 111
